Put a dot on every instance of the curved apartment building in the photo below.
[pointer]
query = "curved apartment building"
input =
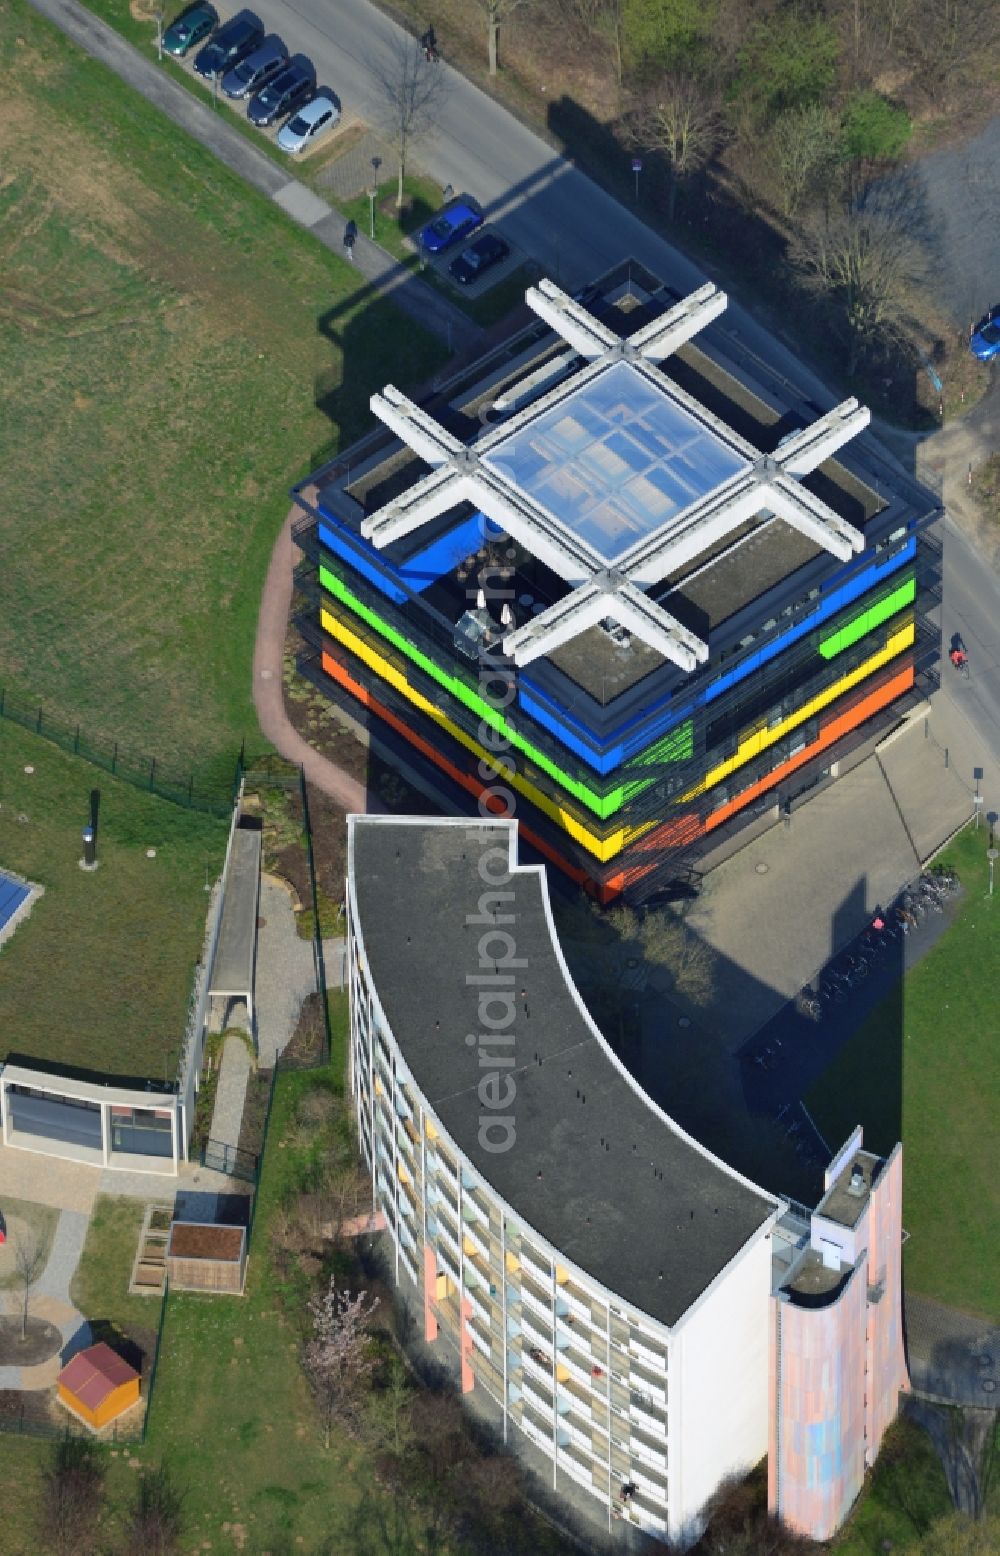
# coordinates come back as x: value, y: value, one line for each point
x: 608, y: 1282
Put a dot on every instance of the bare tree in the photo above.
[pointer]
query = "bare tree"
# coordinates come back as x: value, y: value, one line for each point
x: 336, y: 1359
x: 30, y: 1255
x: 679, y: 118
x: 864, y: 264
x: 411, y: 93
x: 667, y: 942
x: 155, y: 1523
x: 72, y: 1493
x: 497, y: 12
x: 805, y: 146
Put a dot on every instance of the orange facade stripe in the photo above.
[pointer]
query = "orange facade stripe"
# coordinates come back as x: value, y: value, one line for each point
x: 338, y: 672
x: 831, y: 733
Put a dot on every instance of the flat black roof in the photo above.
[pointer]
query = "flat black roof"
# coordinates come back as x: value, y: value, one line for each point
x: 594, y: 1167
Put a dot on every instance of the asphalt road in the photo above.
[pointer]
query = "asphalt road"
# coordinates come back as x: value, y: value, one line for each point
x: 949, y: 200
x: 551, y: 210
x: 971, y: 608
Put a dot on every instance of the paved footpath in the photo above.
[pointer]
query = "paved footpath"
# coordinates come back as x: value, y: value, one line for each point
x: 50, y: 1299
x: 230, y: 1094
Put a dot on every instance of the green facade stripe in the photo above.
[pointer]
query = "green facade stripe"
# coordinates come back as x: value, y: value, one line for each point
x: 676, y: 746
x: 859, y: 626
x: 602, y: 805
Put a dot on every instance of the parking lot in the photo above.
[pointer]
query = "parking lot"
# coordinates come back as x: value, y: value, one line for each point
x: 470, y: 266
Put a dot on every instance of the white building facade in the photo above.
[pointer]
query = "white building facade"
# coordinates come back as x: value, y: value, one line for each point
x: 647, y: 1412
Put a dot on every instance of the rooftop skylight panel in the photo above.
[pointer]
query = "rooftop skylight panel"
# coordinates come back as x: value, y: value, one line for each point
x: 615, y: 459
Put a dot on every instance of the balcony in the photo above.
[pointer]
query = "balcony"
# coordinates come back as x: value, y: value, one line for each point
x: 577, y: 1430
x: 449, y: 1266
x: 474, y: 1237
x: 537, y: 1429
x: 644, y: 1380
x: 448, y: 1237
x: 537, y: 1365
x: 577, y: 1304
x: 642, y: 1415
x: 536, y: 1301
x: 534, y: 1333
x: 575, y: 1464
x: 479, y: 1303
x: 576, y: 1365
x: 534, y: 1395
x: 647, y: 1450
x: 643, y: 1352
x: 650, y: 1491
x: 536, y: 1263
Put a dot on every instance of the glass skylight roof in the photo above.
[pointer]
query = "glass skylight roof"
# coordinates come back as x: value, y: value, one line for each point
x: 615, y: 460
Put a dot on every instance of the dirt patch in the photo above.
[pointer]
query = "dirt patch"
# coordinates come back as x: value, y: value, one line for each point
x: 41, y: 1340
x: 309, y: 1038
x: 203, y: 1241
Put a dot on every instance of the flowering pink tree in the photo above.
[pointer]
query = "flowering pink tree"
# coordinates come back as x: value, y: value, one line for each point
x: 336, y: 1359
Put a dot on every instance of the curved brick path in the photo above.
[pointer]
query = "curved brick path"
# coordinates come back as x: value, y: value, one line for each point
x: 268, y: 696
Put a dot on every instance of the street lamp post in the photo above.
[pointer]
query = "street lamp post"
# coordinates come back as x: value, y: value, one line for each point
x: 992, y: 854
x: 636, y: 169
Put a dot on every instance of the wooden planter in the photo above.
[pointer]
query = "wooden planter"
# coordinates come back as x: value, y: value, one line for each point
x: 205, y: 1256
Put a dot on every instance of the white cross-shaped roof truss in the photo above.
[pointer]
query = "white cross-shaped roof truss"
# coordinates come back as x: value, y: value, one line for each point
x: 765, y: 485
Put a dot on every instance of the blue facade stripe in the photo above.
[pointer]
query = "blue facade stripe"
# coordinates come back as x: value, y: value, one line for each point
x: 830, y: 605
x: 419, y: 571
x: 606, y: 758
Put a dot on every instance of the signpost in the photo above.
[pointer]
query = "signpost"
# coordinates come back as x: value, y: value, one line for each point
x: 637, y: 169
x: 372, y: 196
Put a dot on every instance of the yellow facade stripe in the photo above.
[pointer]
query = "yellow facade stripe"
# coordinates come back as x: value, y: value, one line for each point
x: 601, y: 848
x: 763, y: 737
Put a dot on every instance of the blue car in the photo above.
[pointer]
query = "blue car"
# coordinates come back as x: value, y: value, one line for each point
x: 449, y: 228
x: 284, y: 94
x: 984, y: 342
x: 234, y: 40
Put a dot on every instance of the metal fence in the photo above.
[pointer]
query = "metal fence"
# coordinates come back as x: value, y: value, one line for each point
x: 211, y: 795
x: 233, y: 1160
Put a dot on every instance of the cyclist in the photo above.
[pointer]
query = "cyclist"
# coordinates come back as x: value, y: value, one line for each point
x: 959, y: 657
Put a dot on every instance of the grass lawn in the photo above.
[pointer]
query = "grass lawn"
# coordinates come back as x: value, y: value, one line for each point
x: 231, y: 1411
x: 99, y: 974
x: 100, y: 1286
x: 903, y: 1496
x: 422, y: 200
x: 176, y: 353
x: 948, y: 1052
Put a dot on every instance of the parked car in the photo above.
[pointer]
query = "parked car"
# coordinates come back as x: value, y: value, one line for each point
x: 450, y: 228
x: 984, y: 342
x: 194, y: 25
x: 234, y: 40
x: 311, y: 121
x: 256, y: 69
x: 291, y: 87
x: 473, y: 262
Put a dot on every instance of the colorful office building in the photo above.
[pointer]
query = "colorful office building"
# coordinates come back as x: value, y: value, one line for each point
x: 639, y: 1320
x: 644, y: 582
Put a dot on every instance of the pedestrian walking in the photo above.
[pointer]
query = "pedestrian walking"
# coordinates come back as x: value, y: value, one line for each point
x: 350, y: 238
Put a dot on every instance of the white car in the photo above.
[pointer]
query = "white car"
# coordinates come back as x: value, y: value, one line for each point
x: 305, y: 127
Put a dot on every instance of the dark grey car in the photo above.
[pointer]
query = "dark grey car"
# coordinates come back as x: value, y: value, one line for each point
x: 234, y: 40
x: 284, y: 93
x: 256, y: 70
